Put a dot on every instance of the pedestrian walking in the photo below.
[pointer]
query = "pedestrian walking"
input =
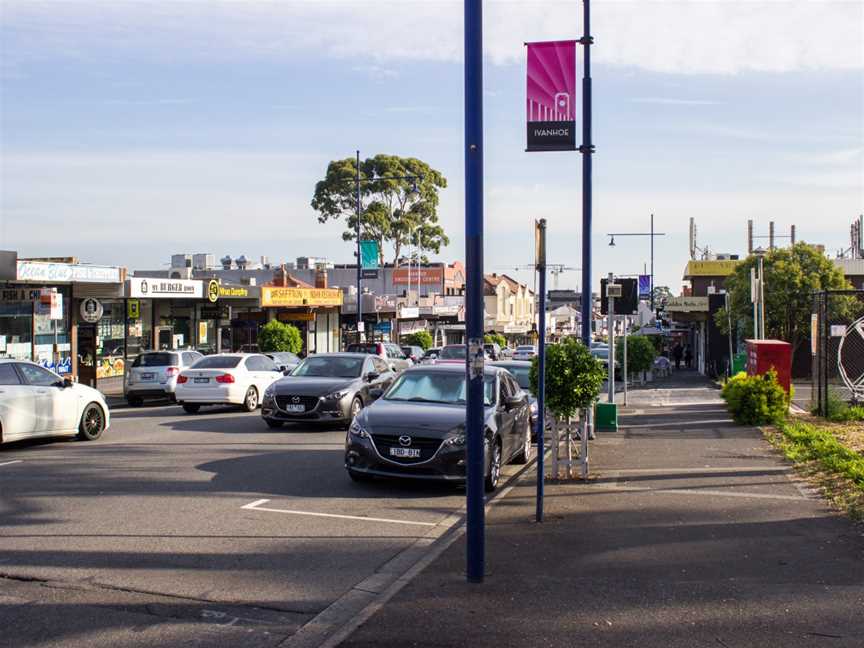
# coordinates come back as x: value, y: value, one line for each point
x: 677, y: 353
x: 688, y: 356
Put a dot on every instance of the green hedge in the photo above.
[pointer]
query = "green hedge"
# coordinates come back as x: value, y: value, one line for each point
x: 278, y: 336
x: 423, y: 339
x: 756, y: 400
x: 805, y: 442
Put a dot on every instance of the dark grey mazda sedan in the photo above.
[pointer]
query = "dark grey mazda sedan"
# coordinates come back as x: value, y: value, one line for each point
x: 326, y: 387
x: 417, y: 428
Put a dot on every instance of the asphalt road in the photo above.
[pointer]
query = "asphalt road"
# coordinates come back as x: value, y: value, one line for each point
x: 142, y: 538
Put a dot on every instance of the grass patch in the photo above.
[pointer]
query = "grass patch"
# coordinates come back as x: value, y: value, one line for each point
x: 832, y: 455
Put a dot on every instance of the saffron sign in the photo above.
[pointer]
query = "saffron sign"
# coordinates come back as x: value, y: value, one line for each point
x: 551, y: 97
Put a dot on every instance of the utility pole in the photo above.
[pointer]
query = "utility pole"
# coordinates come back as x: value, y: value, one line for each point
x: 587, y: 150
x: 540, y: 254
x: 610, y: 294
x: 359, y: 294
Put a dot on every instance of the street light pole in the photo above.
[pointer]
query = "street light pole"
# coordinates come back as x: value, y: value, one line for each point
x: 651, y: 233
x: 652, y: 263
x: 359, y: 295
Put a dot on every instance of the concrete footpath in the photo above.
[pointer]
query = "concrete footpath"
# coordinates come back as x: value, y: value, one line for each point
x: 693, y: 532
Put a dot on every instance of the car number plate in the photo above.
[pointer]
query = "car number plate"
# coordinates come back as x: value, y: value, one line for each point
x: 295, y: 408
x: 408, y: 453
x: 148, y: 376
x: 201, y: 380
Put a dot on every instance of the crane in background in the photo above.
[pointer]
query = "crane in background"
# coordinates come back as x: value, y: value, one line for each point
x: 555, y: 269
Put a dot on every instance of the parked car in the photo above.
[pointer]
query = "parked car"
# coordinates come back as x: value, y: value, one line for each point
x: 455, y: 353
x: 493, y: 350
x: 525, y: 352
x: 413, y: 352
x: 153, y: 374
x: 226, y: 378
x: 416, y: 429
x: 36, y: 402
x: 430, y: 356
x: 285, y: 360
x: 391, y: 353
x: 327, y: 387
x: 521, y: 371
x: 601, y: 353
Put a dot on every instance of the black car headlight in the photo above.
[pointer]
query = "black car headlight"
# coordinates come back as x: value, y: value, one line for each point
x: 358, y: 430
x: 337, y: 395
x: 455, y: 440
x: 269, y: 393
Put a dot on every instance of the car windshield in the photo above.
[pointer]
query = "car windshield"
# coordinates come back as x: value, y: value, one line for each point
x: 217, y: 362
x: 330, y: 367
x: 371, y: 347
x: 437, y: 387
x: 455, y: 352
x: 522, y: 375
x: 525, y: 348
x: 283, y: 356
x: 155, y: 360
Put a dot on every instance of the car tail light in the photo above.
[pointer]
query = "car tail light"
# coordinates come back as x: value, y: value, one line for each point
x: 225, y: 378
x: 182, y: 379
x: 170, y: 372
x: 379, y: 349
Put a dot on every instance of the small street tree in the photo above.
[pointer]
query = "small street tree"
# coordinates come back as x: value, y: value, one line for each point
x: 495, y: 338
x: 573, y: 378
x: 423, y: 339
x: 392, y: 212
x: 278, y: 336
x: 791, y: 276
x: 641, y: 353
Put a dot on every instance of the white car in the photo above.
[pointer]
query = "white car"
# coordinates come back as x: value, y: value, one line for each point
x: 524, y: 352
x: 36, y: 402
x: 227, y: 378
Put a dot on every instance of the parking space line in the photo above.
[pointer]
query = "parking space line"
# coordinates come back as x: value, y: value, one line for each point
x: 6, y: 463
x: 257, y: 506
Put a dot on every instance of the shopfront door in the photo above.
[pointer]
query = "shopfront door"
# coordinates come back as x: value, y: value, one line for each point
x: 87, y: 354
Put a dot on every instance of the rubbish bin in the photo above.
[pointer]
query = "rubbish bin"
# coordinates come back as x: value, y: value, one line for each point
x: 606, y: 416
x: 739, y: 362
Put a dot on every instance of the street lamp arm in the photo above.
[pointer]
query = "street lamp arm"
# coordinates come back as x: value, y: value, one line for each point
x: 636, y: 234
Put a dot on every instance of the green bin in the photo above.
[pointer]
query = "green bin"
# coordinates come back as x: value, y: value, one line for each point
x: 606, y: 416
x: 739, y: 363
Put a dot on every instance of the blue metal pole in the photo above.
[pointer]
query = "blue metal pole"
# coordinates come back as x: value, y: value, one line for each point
x: 587, y: 150
x: 474, y: 423
x: 541, y: 382
x: 359, y: 271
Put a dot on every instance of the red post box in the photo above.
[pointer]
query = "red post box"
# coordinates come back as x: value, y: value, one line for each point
x: 764, y: 355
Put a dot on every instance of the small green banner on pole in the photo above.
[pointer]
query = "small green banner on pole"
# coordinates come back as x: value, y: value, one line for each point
x: 369, y: 255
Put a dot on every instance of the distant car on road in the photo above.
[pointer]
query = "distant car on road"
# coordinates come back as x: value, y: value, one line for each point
x: 36, y: 402
x: 413, y: 352
x: 153, y: 374
x: 285, y: 360
x: 525, y: 352
x: 493, y: 350
x: 226, y: 378
x: 416, y: 429
x: 331, y: 387
x: 455, y: 353
x: 391, y: 353
x: 431, y: 355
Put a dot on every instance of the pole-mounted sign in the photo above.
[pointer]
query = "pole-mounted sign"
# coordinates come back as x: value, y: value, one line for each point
x: 551, y: 98
x: 369, y: 259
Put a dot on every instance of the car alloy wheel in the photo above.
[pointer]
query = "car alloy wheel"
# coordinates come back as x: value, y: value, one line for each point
x: 356, y: 406
x: 251, y: 400
x: 92, y: 423
x: 494, y: 468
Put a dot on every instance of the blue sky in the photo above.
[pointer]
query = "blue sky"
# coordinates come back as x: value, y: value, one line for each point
x: 134, y: 130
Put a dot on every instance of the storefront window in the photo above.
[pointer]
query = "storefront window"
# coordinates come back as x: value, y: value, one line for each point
x: 111, y: 340
x: 139, y: 333
x: 16, y: 324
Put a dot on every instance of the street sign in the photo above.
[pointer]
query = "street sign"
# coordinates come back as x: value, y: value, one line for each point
x: 133, y: 309
x: 626, y: 302
x: 383, y: 327
x: 551, y: 96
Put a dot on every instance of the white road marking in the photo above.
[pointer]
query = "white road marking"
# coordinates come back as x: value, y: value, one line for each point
x: 6, y: 463
x: 257, y: 506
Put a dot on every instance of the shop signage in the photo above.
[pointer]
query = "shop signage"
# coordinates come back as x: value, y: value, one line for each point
x: 712, y: 268
x: 19, y: 294
x: 91, y: 310
x: 687, y: 305
x: 154, y: 288
x: 234, y: 292
x: 296, y: 317
x: 407, y: 312
x: 212, y: 291
x: 551, y: 97
x: 202, y: 332
x: 67, y: 272
x: 51, y: 303
x: 276, y: 296
x: 133, y: 309
x: 382, y: 327
x: 406, y: 276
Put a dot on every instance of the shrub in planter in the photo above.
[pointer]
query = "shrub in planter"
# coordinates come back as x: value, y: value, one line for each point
x: 640, y: 353
x: 573, y: 378
x: 278, y: 336
x: 756, y: 400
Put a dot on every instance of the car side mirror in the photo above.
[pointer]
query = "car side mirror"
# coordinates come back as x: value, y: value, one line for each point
x: 281, y: 368
x: 376, y: 393
x: 67, y: 382
x: 372, y: 376
x: 513, y: 401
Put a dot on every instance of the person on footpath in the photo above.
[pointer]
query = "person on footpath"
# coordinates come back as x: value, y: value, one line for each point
x: 688, y: 356
x: 677, y: 352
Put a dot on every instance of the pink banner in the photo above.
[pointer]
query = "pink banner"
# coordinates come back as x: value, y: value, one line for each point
x: 551, y: 97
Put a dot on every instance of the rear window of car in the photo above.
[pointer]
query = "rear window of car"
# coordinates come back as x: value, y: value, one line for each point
x: 453, y: 352
x: 363, y: 348
x: 155, y: 360
x: 525, y: 348
x: 217, y: 362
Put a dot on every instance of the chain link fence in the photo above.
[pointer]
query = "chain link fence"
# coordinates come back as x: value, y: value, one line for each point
x: 838, y: 348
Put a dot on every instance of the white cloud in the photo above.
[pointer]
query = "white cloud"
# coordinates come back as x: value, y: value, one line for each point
x: 674, y: 36
x: 671, y: 101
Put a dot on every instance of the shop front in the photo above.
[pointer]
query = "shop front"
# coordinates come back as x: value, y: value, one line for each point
x: 315, y: 311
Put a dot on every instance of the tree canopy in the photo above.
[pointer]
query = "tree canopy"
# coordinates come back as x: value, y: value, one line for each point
x: 573, y: 377
x: 278, y: 336
x: 423, y: 339
x: 791, y: 276
x: 392, y: 212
